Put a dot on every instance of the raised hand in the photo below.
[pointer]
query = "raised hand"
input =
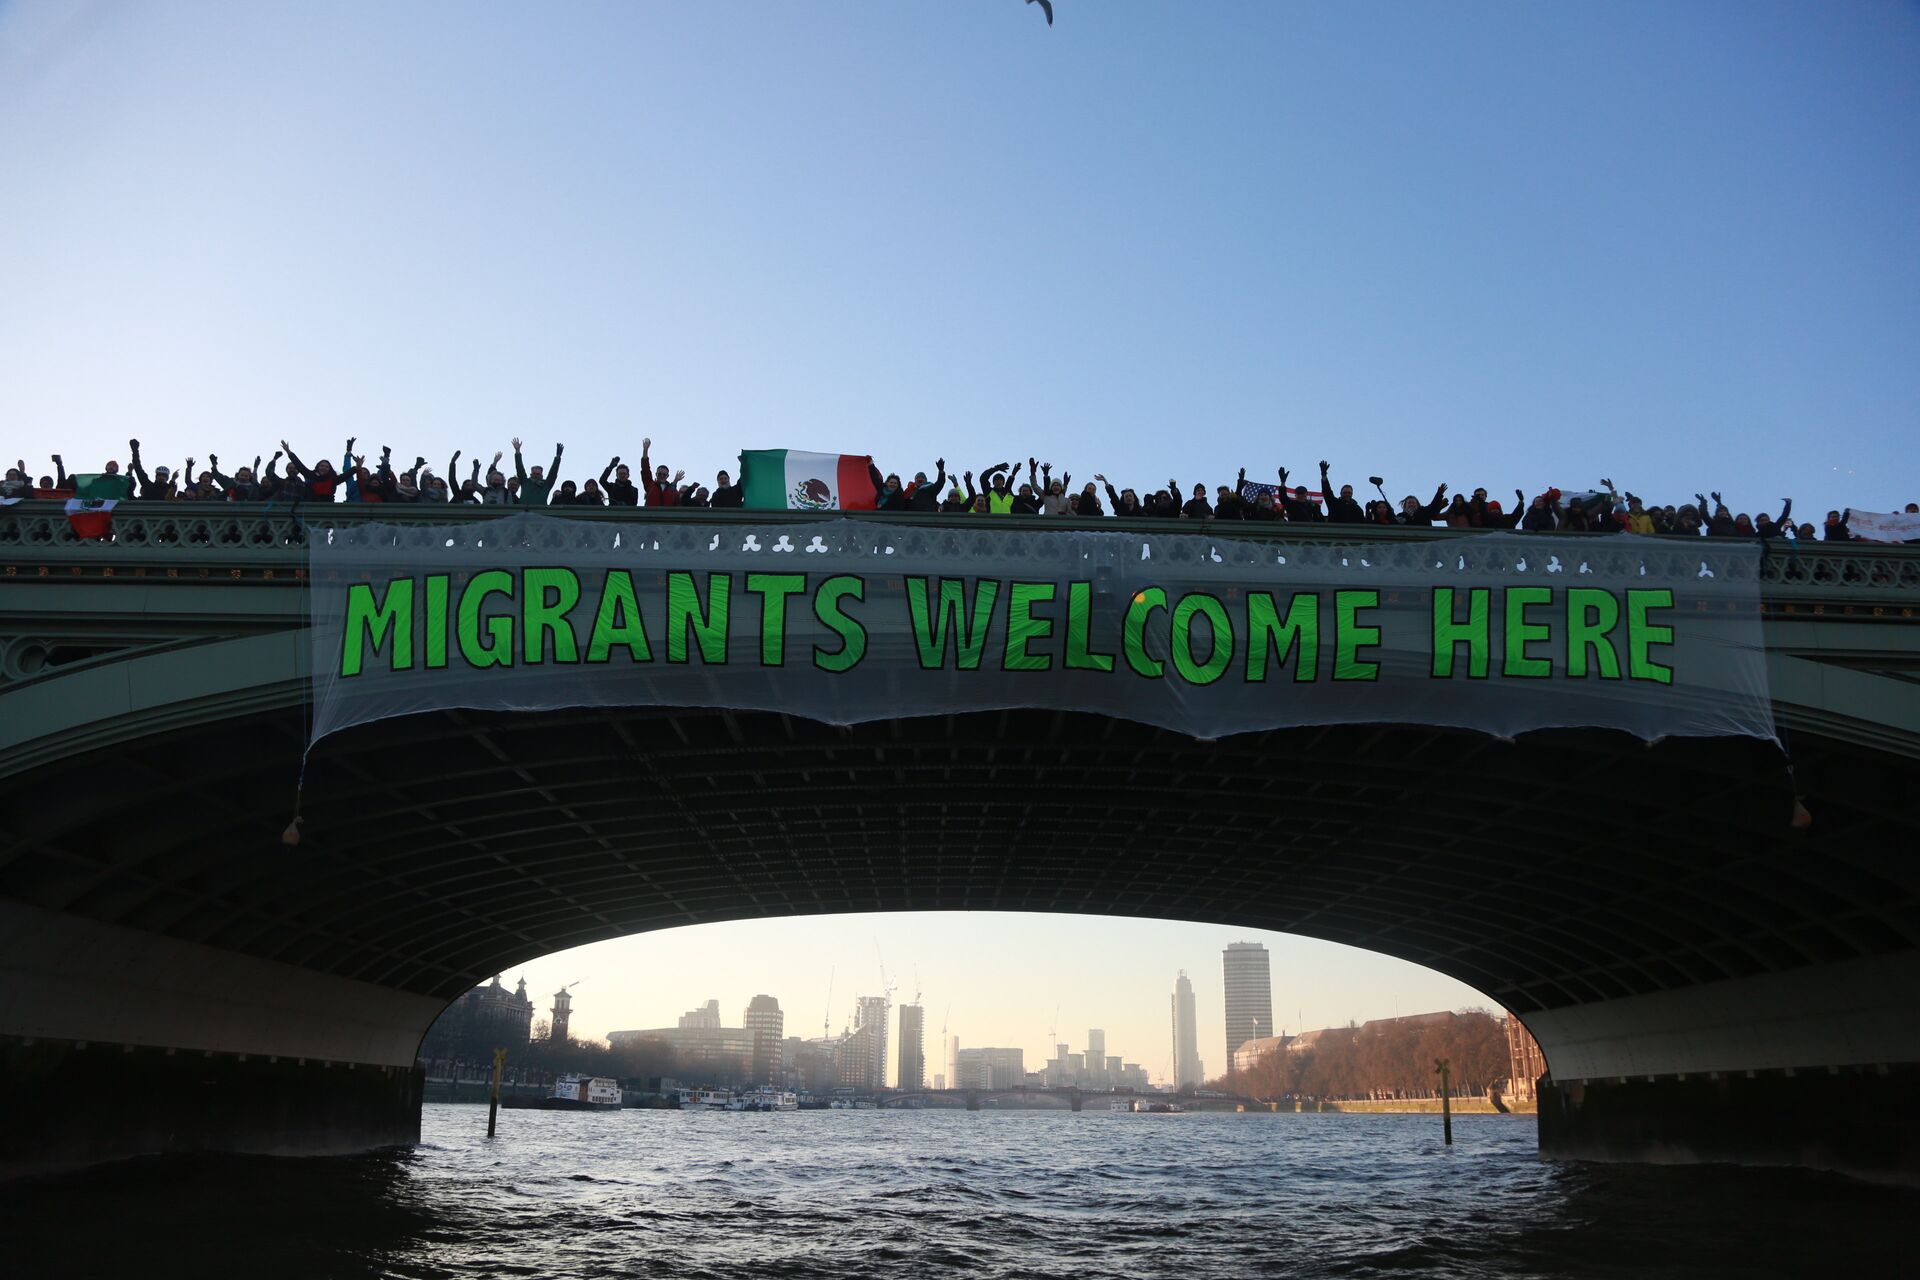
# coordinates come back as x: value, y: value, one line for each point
x: 516, y: 444
x: 969, y: 476
x: 134, y: 445
x: 1520, y: 497
x: 497, y: 455
x: 615, y: 462
x: 940, y: 463
x: 256, y: 461
x: 1243, y: 475
x: 1441, y: 492
x: 1283, y: 475
x: 456, y: 455
x: 1716, y: 497
x: 1605, y: 483
x: 559, y: 449
x: 1101, y: 479
x: 646, y: 442
x: 1323, y: 464
x: 350, y: 440
x: 213, y: 460
x: 677, y: 475
x: 419, y: 462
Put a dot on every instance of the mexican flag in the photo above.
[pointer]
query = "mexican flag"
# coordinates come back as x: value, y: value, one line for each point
x: 91, y: 517
x: 788, y: 480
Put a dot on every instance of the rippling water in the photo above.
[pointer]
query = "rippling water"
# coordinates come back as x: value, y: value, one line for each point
x: 909, y: 1194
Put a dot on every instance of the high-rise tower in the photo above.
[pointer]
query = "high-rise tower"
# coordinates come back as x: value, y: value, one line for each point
x: 913, y: 1050
x: 1187, y: 1072
x: 764, y: 1024
x: 562, y: 1014
x: 1249, y: 984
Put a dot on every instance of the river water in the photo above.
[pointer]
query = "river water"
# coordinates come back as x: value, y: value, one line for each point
x: 936, y: 1193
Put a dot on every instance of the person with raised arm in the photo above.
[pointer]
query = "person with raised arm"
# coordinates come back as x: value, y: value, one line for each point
x: 661, y: 489
x: 1053, y: 493
x: 925, y: 493
x: 1412, y: 513
x: 726, y: 494
x: 239, y: 487
x: 1089, y: 507
x: 17, y: 483
x: 159, y: 487
x: 537, y: 484
x: 1125, y: 503
x: 998, y: 480
x: 320, y: 482
x: 1342, y: 508
x: 617, y: 481
x: 1299, y: 504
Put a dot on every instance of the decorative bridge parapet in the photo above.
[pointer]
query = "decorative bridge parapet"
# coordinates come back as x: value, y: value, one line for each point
x: 255, y: 543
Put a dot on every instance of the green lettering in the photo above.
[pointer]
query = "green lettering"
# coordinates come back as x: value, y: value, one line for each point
x: 618, y: 622
x: 1350, y: 636
x: 499, y: 651
x: 1514, y: 661
x: 1449, y: 632
x: 1023, y: 628
x: 853, y: 636
x: 1591, y: 614
x: 545, y: 597
x: 1133, y: 633
x: 436, y: 621
x: 684, y: 614
x: 1641, y: 634
x: 1265, y: 630
x: 969, y: 633
x: 1079, y: 626
x: 773, y: 590
x: 370, y: 624
x: 1220, y: 642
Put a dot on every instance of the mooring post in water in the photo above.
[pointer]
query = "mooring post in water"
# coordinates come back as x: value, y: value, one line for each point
x: 493, y: 1098
x: 1444, y: 1067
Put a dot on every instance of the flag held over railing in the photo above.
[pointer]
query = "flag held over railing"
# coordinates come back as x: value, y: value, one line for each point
x: 789, y: 480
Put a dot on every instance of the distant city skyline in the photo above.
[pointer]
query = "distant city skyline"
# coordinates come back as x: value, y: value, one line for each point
x: 993, y: 979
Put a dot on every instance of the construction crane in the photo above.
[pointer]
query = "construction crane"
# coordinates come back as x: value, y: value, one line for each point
x: 887, y: 985
x: 826, y: 1018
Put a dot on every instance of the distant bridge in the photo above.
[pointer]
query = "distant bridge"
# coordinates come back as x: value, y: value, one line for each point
x: 1062, y: 1098
x: 1703, y: 979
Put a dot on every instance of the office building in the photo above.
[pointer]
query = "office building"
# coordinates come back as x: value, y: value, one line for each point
x: 1249, y: 989
x: 765, y: 1026
x: 1187, y: 1071
x: 990, y: 1069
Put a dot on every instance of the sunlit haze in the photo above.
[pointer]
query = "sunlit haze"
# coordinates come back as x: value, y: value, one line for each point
x: 992, y: 978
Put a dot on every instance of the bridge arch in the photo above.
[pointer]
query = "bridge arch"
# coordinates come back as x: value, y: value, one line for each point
x: 1648, y: 910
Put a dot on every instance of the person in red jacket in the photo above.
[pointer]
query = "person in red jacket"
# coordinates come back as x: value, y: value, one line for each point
x: 662, y: 490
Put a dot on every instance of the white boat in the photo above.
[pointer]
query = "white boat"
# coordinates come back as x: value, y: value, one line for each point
x: 765, y: 1100
x: 707, y: 1100
x: 584, y: 1092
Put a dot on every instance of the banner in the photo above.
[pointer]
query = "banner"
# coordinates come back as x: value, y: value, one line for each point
x: 1884, y: 526
x: 853, y: 619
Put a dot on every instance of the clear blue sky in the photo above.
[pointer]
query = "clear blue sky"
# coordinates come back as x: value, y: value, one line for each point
x: 1509, y: 244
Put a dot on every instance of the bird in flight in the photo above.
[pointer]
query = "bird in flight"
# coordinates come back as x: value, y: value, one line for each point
x: 1046, y: 7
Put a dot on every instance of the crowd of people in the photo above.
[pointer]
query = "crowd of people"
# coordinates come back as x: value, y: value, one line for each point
x: 1000, y: 491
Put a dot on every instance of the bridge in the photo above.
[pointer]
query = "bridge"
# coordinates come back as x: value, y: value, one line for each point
x: 1707, y: 980
x: 1061, y: 1098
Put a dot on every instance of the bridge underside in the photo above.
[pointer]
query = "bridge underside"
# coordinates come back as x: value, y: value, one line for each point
x: 1648, y: 909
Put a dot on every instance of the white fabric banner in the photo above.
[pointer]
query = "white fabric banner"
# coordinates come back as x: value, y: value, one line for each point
x: 855, y: 619
x: 1884, y: 526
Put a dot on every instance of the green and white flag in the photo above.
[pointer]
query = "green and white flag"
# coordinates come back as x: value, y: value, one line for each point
x: 788, y: 480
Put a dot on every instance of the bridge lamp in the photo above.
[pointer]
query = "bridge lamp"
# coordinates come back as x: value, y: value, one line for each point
x: 291, y: 836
